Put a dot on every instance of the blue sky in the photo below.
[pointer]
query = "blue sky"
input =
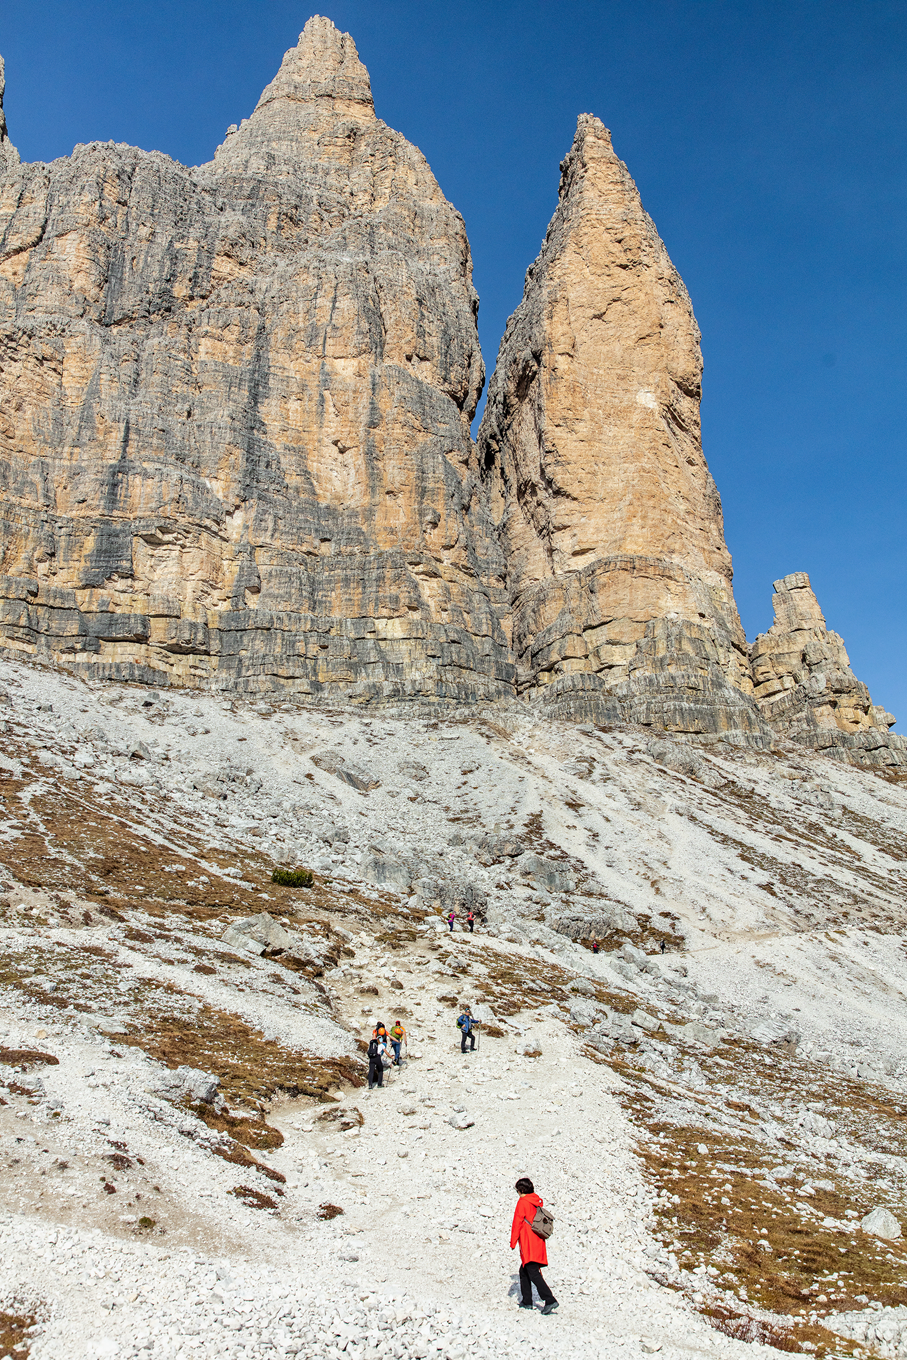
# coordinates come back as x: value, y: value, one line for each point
x: 768, y: 140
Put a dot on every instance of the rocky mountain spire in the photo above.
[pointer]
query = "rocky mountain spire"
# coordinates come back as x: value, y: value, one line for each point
x: 257, y: 471
x: 806, y: 689
x: 321, y: 84
x: 8, y: 154
x: 610, y: 521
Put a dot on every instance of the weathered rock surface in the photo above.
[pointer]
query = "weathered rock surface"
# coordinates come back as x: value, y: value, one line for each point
x: 618, y: 574
x: 235, y: 404
x: 235, y: 408
x: 806, y: 689
x: 9, y: 156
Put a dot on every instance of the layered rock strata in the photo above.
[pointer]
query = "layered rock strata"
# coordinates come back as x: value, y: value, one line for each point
x: 619, y: 579
x: 236, y: 401
x: 806, y: 689
x: 235, y: 404
x: 9, y: 156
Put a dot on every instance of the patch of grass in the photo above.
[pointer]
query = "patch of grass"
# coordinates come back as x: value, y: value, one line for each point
x: 238, y: 1156
x: 326, y: 1211
x: 146, y: 1223
x: 253, y: 1199
x: 27, y: 1057
x: 293, y: 878
x: 254, y: 1133
x: 13, y: 1333
x: 774, y: 1244
x: 252, y: 1069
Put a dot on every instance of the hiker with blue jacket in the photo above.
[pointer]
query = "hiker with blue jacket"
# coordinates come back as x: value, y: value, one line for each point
x: 467, y: 1027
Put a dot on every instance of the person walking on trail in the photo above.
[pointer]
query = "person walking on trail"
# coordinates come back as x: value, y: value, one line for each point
x: 533, y: 1252
x: 397, y: 1038
x: 377, y: 1051
x: 451, y: 917
x: 471, y: 920
x: 595, y: 946
x: 467, y: 1027
x: 663, y: 946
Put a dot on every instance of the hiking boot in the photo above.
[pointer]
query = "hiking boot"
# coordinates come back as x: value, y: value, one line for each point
x: 550, y: 1307
x: 528, y: 1305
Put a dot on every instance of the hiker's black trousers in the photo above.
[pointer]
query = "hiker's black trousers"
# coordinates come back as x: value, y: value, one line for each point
x: 531, y: 1274
x: 375, y: 1072
x: 463, y: 1037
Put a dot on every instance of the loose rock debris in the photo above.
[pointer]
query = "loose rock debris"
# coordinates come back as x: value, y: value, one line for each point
x: 711, y: 1125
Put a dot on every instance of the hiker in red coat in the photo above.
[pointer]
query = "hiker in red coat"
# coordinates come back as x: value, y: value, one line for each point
x: 533, y: 1253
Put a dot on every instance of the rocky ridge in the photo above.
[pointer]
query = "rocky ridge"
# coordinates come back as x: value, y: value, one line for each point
x: 618, y: 573
x: 805, y: 687
x: 235, y: 406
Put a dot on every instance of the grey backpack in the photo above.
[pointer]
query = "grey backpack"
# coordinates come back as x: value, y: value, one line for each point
x: 543, y: 1223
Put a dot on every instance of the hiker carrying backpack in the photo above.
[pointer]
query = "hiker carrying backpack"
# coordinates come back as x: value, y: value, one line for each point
x: 532, y: 1225
x: 466, y: 1026
x: 377, y: 1048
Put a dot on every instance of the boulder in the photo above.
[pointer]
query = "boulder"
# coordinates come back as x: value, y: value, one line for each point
x: 259, y: 935
x: 881, y: 1223
x: 546, y: 873
x: 387, y: 871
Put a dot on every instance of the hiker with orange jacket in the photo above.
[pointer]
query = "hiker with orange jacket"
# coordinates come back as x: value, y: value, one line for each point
x: 533, y: 1253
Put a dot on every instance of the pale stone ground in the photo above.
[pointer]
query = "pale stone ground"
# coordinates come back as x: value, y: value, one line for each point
x: 781, y: 872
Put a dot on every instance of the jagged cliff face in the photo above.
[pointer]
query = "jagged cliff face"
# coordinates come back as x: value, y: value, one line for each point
x: 235, y: 404
x: 806, y: 689
x: 234, y: 443
x: 618, y: 573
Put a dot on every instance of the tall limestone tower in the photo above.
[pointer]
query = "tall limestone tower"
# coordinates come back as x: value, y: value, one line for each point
x: 618, y: 575
x: 236, y: 400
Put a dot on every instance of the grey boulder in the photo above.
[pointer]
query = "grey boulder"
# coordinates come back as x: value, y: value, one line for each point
x: 881, y: 1222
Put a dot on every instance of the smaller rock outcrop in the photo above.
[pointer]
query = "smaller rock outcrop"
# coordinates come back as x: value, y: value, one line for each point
x: 806, y: 690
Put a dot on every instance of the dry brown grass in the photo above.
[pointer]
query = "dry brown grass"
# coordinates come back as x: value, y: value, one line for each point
x: 252, y: 1198
x: 251, y: 1132
x: 776, y: 1286
x: 251, y: 1069
x: 13, y: 1338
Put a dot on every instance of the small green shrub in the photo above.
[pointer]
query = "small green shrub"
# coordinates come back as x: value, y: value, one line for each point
x: 293, y: 878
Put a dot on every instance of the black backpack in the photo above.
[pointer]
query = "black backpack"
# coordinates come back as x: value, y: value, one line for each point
x: 373, y: 1048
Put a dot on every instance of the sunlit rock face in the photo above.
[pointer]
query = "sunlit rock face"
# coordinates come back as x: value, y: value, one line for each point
x: 806, y: 689
x: 618, y: 575
x: 235, y: 403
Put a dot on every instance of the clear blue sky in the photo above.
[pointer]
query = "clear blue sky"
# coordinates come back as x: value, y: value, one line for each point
x: 768, y: 141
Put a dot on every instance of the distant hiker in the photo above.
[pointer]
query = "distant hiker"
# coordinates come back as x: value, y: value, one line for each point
x: 451, y: 917
x: 663, y: 946
x: 397, y: 1037
x: 533, y: 1253
x: 470, y: 920
x: 595, y: 946
x: 377, y: 1049
x: 466, y: 1025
